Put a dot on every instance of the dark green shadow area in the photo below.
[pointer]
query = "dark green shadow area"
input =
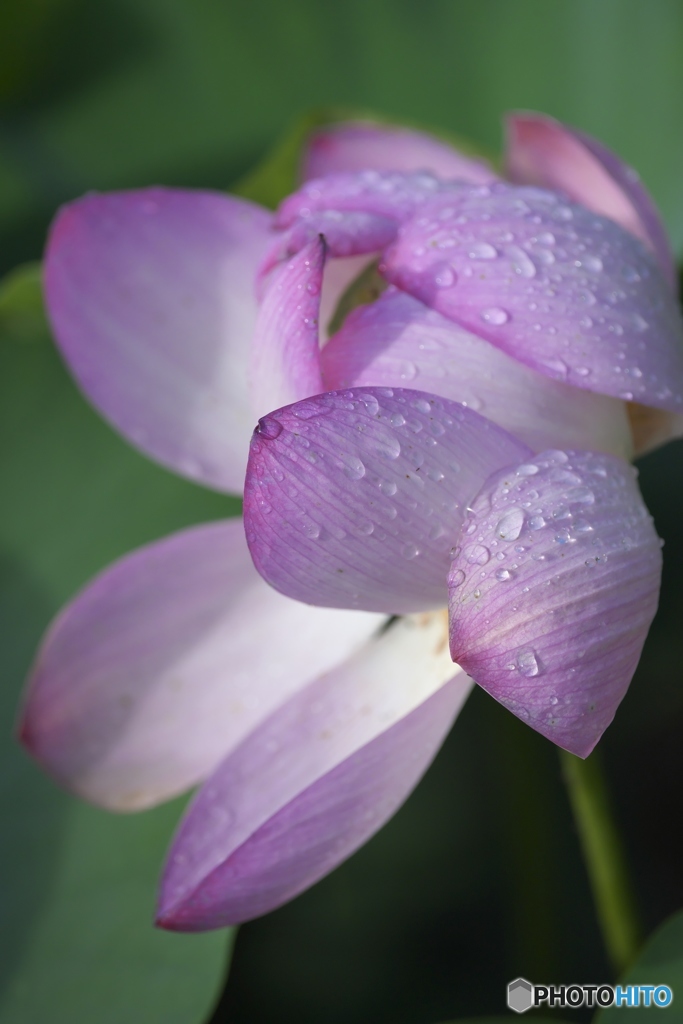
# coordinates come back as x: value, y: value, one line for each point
x: 33, y: 812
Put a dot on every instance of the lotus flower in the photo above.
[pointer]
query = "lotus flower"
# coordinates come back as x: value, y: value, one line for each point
x: 552, y: 315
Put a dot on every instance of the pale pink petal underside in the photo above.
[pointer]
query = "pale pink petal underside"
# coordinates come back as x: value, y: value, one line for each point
x: 151, y: 298
x: 315, y: 781
x: 165, y: 661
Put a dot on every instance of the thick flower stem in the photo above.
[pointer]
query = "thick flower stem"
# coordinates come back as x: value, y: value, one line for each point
x: 604, y: 857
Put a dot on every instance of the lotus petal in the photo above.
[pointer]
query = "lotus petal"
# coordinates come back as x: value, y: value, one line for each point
x: 285, y: 359
x: 567, y: 292
x: 553, y: 591
x: 166, y: 661
x: 398, y: 341
x: 359, y: 145
x: 542, y: 151
x: 151, y: 298
x: 353, y: 499
x: 315, y: 781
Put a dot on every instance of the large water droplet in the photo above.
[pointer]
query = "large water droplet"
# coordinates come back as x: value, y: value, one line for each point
x: 353, y: 467
x: 444, y: 277
x: 527, y: 663
x: 268, y: 427
x: 495, y: 315
x: 479, y: 555
x: 522, y: 264
x: 457, y: 578
x: 510, y: 526
x: 482, y: 251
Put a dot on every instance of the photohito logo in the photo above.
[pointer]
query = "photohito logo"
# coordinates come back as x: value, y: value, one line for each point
x: 522, y: 995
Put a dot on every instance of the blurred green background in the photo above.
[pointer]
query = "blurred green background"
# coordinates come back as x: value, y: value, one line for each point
x: 479, y: 877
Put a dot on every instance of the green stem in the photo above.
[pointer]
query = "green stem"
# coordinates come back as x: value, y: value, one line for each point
x: 604, y: 857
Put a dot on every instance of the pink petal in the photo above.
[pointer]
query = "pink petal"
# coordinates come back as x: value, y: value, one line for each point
x: 151, y: 298
x: 285, y: 357
x: 388, y: 195
x: 567, y: 292
x: 542, y: 151
x: 398, y: 341
x: 553, y: 592
x: 346, y: 233
x: 359, y: 146
x: 315, y: 781
x: 166, y: 660
x: 354, y: 499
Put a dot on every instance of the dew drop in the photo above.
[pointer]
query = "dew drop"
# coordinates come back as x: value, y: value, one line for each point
x: 521, y: 262
x: 527, y: 663
x: 479, y: 555
x: 408, y: 370
x: 410, y: 551
x: 444, y: 277
x: 457, y: 578
x: 353, y: 467
x: 482, y: 251
x: 510, y: 526
x: 536, y: 523
x: 388, y: 487
x: 494, y: 315
x: 503, y: 574
x: 268, y: 427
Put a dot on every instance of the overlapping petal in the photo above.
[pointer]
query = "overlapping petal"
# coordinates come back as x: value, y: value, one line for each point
x: 553, y: 590
x: 542, y: 151
x: 346, y: 232
x: 380, y: 194
x: 398, y: 341
x: 285, y: 352
x: 151, y: 297
x: 166, y: 661
x: 353, y: 499
x: 567, y: 292
x: 315, y: 781
x: 358, y: 145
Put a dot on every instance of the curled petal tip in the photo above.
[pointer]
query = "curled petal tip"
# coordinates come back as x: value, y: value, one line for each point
x: 543, y: 151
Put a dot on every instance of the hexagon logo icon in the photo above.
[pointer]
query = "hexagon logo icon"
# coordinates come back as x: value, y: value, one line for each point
x: 520, y: 995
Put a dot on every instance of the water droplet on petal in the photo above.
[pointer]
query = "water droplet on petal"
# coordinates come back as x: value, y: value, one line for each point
x: 482, y: 251
x: 495, y: 315
x: 457, y: 579
x: 527, y: 663
x: 268, y: 427
x: 410, y: 551
x: 479, y: 555
x: 353, y: 467
x: 510, y: 526
x: 444, y: 277
x: 503, y: 574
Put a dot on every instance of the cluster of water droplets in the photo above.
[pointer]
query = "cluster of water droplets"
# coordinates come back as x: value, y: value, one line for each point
x: 385, y: 193
x: 566, y: 291
x: 547, y: 532
x: 383, y: 473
